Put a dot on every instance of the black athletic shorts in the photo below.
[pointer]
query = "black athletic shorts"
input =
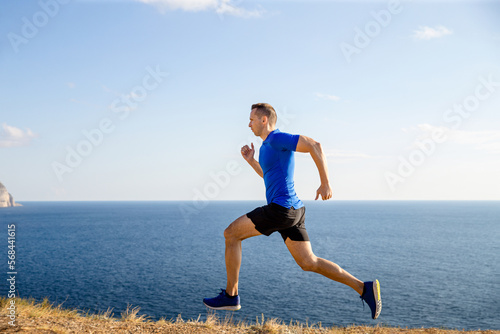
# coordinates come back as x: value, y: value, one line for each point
x: 290, y: 223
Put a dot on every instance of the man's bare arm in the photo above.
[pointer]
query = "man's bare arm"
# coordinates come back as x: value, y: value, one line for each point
x: 248, y: 154
x: 309, y: 145
x: 256, y: 166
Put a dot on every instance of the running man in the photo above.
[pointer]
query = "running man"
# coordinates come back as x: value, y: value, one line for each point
x: 284, y: 212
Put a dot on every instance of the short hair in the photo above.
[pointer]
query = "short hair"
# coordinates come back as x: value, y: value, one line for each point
x: 265, y: 109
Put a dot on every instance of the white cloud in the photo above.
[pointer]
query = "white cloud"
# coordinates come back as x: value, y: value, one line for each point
x: 346, y: 156
x: 327, y: 97
x: 221, y: 7
x: 226, y: 7
x: 187, y: 5
x: 474, y: 137
x: 427, y: 33
x: 487, y: 140
x: 492, y: 148
x: 11, y: 136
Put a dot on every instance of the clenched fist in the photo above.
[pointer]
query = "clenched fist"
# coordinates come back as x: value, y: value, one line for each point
x: 248, y: 152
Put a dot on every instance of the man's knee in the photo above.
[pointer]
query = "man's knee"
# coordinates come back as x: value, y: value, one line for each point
x: 309, y: 263
x: 242, y: 228
x: 230, y: 233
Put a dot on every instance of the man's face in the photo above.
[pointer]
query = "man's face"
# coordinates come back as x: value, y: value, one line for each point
x: 256, y: 123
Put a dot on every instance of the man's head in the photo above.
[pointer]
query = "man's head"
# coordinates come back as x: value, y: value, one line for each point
x: 263, y: 116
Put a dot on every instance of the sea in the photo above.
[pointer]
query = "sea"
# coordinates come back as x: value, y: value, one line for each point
x: 438, y: 262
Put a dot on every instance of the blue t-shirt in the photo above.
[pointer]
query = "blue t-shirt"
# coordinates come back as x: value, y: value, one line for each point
x: 276, y: 157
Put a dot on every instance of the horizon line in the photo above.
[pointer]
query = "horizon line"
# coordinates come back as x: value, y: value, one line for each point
x: 259, y: 200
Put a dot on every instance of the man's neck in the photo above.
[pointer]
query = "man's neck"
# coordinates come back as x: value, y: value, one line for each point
x: 266, y: 133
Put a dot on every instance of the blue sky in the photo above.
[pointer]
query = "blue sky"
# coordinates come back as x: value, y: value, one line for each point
x: 149, y: 100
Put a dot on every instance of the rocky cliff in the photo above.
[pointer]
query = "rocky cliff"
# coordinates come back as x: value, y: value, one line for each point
x: 6, y: 199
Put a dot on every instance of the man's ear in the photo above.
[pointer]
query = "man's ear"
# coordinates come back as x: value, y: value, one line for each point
x: 264, y: 119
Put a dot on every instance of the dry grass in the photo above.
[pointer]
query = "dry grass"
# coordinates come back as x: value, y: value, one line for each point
x: 44, y: 317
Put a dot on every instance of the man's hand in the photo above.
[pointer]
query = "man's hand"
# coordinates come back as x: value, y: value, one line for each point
x: 325, y: 191
x: 248, y: 152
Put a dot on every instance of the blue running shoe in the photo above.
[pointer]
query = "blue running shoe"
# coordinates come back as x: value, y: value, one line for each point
x: 371, y: 295
x: 223, y: 302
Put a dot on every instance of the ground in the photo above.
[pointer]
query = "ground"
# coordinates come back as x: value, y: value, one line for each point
x: 44, y: 317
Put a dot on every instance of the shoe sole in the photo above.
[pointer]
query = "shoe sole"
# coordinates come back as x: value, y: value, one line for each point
x: 227, y: 308
x: 378, y: 300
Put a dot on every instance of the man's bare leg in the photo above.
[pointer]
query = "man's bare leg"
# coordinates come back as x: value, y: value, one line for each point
x: 305, y: 258
x: 239, y: 230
